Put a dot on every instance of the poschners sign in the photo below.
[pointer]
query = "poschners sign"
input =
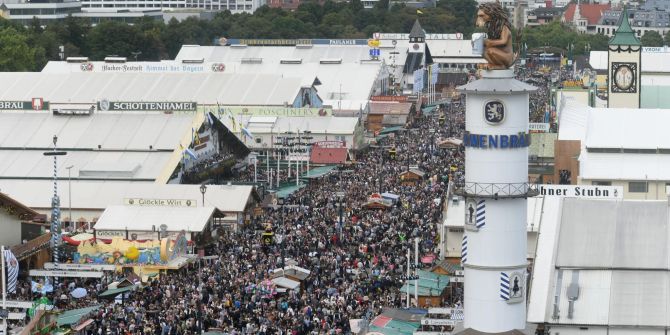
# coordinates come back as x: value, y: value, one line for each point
x: 581, y: 191
x: 520, y: 140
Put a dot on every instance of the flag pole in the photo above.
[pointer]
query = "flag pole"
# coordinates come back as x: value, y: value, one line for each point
x: 4, y: 290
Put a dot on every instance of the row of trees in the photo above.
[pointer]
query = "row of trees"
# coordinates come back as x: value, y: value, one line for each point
x: 29, y: 48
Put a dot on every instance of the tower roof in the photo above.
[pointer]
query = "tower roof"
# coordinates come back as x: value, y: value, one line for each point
x: 417, y: 31
x: 624, y: 35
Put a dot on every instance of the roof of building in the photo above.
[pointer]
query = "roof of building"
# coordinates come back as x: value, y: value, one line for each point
x: 624, y: 35
x: 417, y: 31
x: 627, y: 128
x: 203, y: 88
x: 591, y: 12
x: 146, y: 218
x: 651, y: 62
x: 321, y: 155
x: 344, y: 72
x: 402, y: 108
x: 622, y: 275
x: 14, y: 207
x: 494, y: 85
x: 97, y: 195
x: 109, y: 145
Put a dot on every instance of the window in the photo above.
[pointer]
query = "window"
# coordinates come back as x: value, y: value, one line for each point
x: 637, y: 187
x: 601, y: 183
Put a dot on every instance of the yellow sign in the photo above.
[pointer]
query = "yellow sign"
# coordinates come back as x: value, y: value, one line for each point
x: 373, y: 43
x: 160, y: 202
x: 271, y: 111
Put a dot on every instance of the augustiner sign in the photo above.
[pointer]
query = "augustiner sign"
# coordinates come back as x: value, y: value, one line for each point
x: 177, y: 106
x: 36, y: 104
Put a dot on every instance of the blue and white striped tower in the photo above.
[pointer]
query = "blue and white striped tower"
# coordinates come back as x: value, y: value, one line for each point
x: 496, y: 187
x: 55, y: 210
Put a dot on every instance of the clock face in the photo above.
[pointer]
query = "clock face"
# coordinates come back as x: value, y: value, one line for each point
x: 624, y: 77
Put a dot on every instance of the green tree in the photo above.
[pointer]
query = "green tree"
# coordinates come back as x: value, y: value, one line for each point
x: 15, y: 53
x: 652, y: 39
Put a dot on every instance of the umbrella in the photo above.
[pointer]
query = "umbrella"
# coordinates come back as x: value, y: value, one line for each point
x: 78, y: 293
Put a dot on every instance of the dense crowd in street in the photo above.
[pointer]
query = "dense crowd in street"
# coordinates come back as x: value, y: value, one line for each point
x: 356, y: 268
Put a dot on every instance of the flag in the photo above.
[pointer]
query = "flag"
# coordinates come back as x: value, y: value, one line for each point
x: 247, y: 133
x: 232, y: 120
x: 419, y: 11
x: 190, y: 153
x: 12, y: 270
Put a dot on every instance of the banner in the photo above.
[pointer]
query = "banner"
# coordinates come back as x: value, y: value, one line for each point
x: 35, y: 104
x: 160, y: 202
x: 581, y: 191
x: 106, y: 105
x: 69, y: 274
x: 273, y: 111
x: 418, y: 81
x: 79, y: 267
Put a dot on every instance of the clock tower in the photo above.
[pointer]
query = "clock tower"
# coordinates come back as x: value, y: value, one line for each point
x: 623, y: 69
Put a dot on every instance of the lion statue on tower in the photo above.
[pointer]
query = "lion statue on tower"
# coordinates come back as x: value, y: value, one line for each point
x: 498, y: 44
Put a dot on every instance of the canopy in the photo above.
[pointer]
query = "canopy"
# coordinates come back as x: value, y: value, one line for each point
x: 390, y: 196
x: 288, y: 190
x: 319, y: 171
x: 388, y: 130
x: 428, y: 110
x: 116, y: 291
x: 74, y: 315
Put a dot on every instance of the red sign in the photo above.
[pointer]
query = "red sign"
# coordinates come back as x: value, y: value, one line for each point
x: 389, y: 98
x: 37, y: 103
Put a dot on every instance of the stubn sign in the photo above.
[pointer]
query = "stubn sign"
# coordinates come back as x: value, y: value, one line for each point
x: 581, y: 191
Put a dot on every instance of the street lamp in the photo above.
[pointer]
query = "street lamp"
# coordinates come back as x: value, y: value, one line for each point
x: 55, y: 207
x: 203, y: 189
x: 69, y: 191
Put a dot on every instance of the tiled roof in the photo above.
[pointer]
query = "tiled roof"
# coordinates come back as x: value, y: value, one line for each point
x: 591, y: 12
x: 328, y: 155
x: 22, y: 251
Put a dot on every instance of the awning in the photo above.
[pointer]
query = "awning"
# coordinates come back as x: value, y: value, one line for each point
x: 319, y: 172
x: 116, y: 291
x: 388, y: 130
x: 390, y: 196
x: 74, y: 315
x: 428, y: 110
x: 288, y: 190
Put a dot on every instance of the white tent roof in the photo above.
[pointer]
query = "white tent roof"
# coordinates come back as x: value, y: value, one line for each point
x: 628, y: 128
x: 97, y: 195
x: 203, y: 88
x: 624, y: 166
x: 354, y: 78
x: 286, y: 282
x: 656, y: 62
x: 133, y: 146
x: 119, y: 131
x: 189, y: 219
x: 590, y: 239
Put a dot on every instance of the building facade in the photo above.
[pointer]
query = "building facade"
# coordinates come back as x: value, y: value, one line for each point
x: 653, y: 15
